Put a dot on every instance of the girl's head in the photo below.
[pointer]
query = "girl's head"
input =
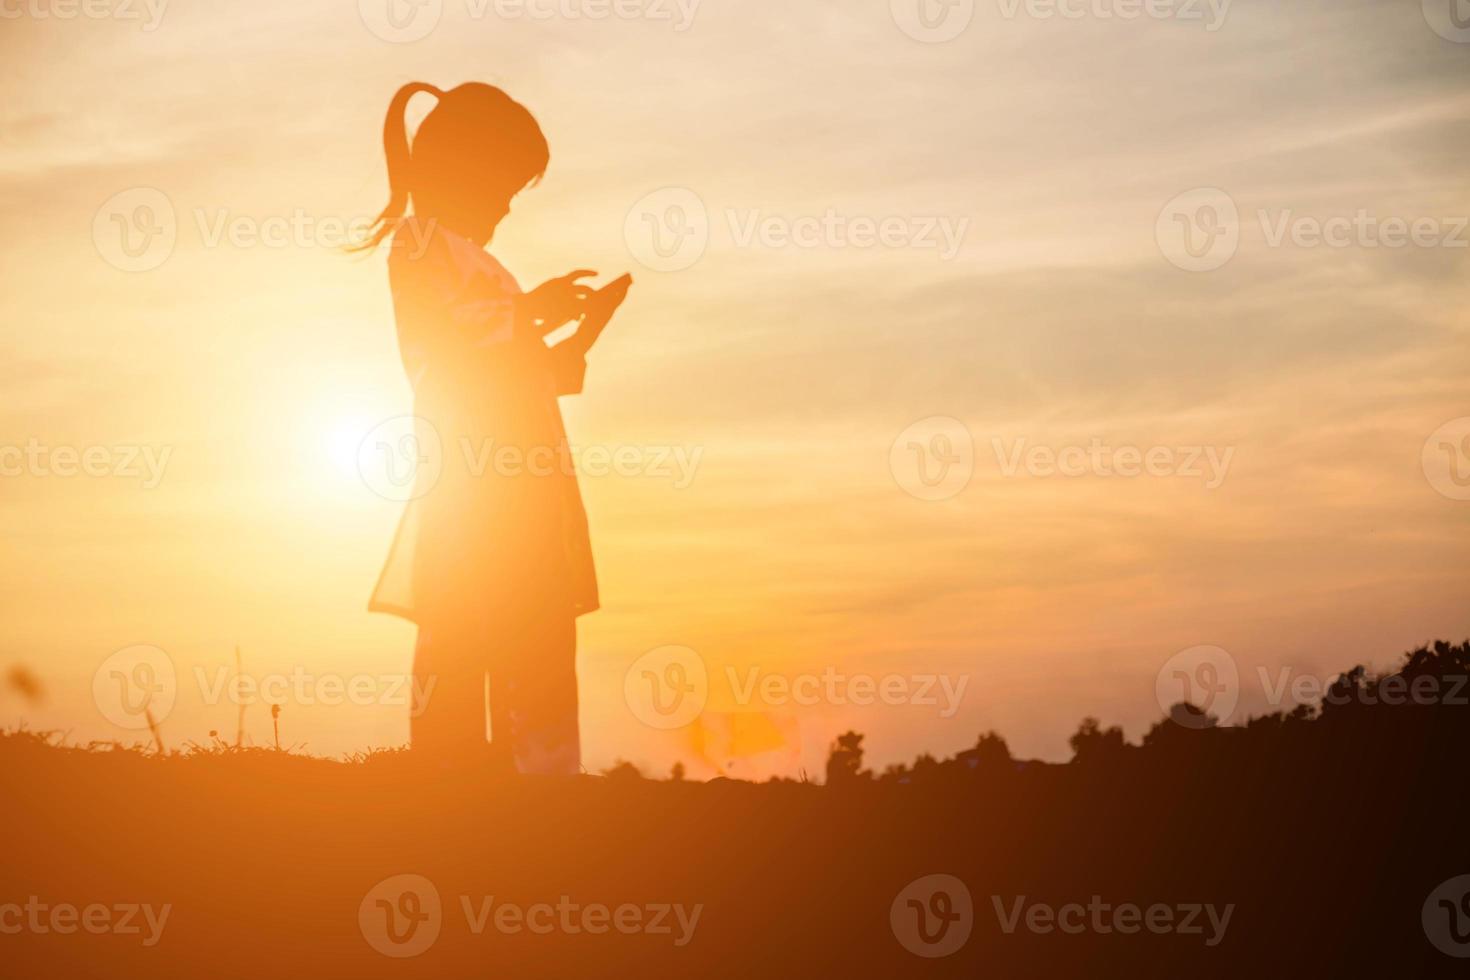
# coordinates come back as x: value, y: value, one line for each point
x: 476, y: 149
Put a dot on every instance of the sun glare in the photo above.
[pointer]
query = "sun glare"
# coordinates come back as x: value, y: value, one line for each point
x: 342, y: 437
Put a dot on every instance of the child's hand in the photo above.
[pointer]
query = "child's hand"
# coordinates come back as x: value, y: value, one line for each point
x: 605, y: 301
x: 557, y: 301
x: 601, y: 305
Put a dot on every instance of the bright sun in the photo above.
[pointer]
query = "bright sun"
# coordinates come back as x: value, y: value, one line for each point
x: 342, y: 437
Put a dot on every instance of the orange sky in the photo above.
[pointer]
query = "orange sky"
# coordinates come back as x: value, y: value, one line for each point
x: 1055, y: 315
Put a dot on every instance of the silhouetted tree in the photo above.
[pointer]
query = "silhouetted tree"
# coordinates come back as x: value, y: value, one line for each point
x: 992, y: 752
x: 1184, y: 719
x: 622, y: 769
x: 1093, y: 744
x: 894, y: 772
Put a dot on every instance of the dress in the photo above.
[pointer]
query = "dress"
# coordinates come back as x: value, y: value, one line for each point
x: 491, y: 558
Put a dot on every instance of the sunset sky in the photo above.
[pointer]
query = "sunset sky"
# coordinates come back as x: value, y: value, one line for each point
x: 1051, y: 148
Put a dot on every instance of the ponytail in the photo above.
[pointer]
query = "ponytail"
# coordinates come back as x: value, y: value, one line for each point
x: 395, y: 148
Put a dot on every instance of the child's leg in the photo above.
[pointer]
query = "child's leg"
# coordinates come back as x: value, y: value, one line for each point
x: 448, y: 712
x: 533, y: 696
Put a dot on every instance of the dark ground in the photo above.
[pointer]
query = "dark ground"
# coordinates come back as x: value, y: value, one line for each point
x: 1327, y: 835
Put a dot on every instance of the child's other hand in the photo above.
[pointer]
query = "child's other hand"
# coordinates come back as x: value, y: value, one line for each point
x: 560, y: 300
